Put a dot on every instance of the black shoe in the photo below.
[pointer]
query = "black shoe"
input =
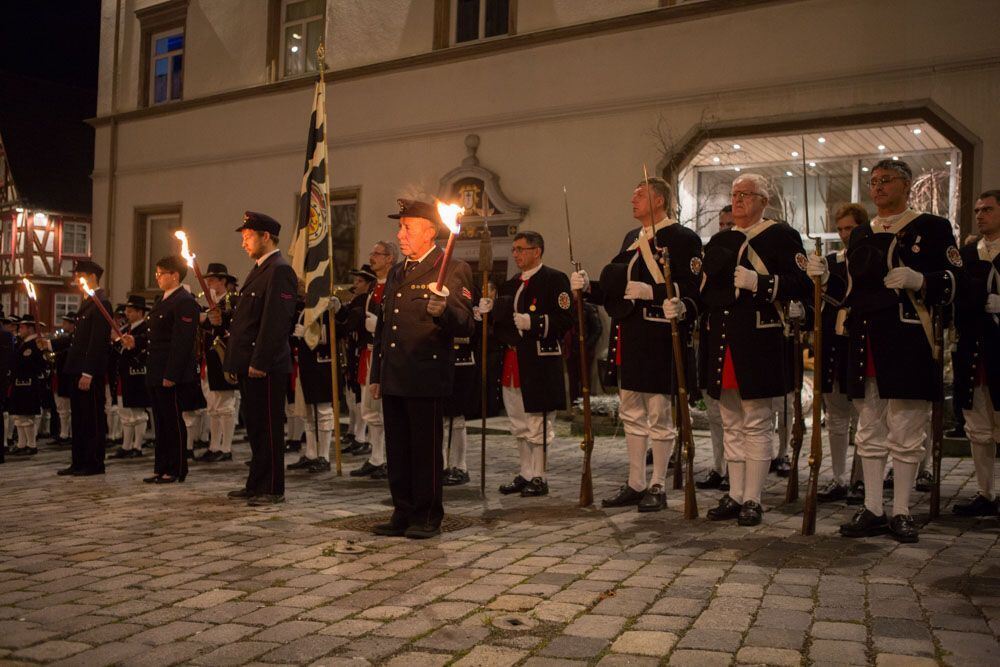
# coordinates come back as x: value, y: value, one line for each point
x: 724, y: 484
x: 654, y: 499
x: 189, y: 455
x: 265, y: 499
x: 888, y: 481
x: 152, y: 480
x: 751, y: 514
x: 319, y: 465
x: 211, y: 457
x: 925, y: 481
x: 380, y: 472
x: 781, y: 467
x: 832, y: 492
x: 167, y: 480
x: 712, y: 481
x: 66, y: 471
x: 22, y: 451
x: 365, y: 470
x: 241, y: 494
x: 389, y: 529
x: 135, y: 453
x: 363, y: 449
x: 957, y: 432
x: 514, y: 486
x: 121, y: 453
x: 201, y: 444
x: 625, y: 497
x: 903, y: 529
x: 225, y: 456
x: 422, y: 531
x: 302, y: 464
x: 293, y: 445
x: 348, y: 445
x: 455, y: 477
x: 864, y: 523
x: 536, y: 487
x: 978, y: 505
x: 86, y: 473
x: 856, y: 494
x: 727, y: 509
x: 30, y: 451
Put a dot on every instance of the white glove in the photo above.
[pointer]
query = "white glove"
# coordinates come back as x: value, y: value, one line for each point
x: 744, y: 278
x: 993, y: 304
x: 522, y: 321
x: 371, y: 321
x: 299, y: 331
x: 796, y: 311
x: 816, y: 267
x: 674, y: 309
x: 485, y: 305
x: 638, y: 291
x: 476, y: 315
x: 334, y: 305
x: 579, y: 280
x: 903, y: 277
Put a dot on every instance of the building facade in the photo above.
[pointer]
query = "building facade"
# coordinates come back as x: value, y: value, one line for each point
x: 204, y: 107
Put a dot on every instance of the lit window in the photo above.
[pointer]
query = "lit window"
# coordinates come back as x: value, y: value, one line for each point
x: 301, y: 34
x: 160, y: 242
x: 64, y: 303
x: 166, y: 62
x: 76, y: 238
x: 480, y: 19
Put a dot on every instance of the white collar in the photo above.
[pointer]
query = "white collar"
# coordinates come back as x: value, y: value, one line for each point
x: 262, y: 258
x: 31, y: 337
x: 526, y: 275
x: 381, y: 281
x: 747, y: 230
x: 133, y: 325
x: 893, y: 224
x: 168, y: 292
x: 422, y: 257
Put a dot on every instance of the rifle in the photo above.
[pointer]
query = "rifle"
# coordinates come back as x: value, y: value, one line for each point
x: 816, y: 440
x: 678, y: 456
x: 798, y: 425
x: 937, y: 418
x: 684, y: 431
x: 586, y: 479
x: 485, y: 265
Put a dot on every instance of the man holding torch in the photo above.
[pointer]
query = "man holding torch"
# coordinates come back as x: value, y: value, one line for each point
x: 413, y: 365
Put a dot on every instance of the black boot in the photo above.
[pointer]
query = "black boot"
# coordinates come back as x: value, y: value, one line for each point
x: 625, y: 497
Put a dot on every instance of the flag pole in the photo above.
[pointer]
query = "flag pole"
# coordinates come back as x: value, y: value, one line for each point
x: 334, y: 366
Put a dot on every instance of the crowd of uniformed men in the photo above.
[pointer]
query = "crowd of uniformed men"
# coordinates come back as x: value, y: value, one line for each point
x: 407, y: 351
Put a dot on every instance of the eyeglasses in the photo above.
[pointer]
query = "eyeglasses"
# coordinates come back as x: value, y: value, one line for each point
x: 517, y: 250
x: 162, y: 273
x: 740, y: 196
x: 884, y: 180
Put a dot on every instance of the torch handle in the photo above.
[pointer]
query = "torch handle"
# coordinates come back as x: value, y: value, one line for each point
x: 107, y: 316
x: 448, y: 249
x: 204, y: 287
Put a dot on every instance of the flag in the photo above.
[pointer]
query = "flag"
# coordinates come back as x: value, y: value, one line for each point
x: 310, y: 251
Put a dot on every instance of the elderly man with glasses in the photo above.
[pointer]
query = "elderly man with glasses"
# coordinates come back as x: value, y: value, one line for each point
x: 751, y: 273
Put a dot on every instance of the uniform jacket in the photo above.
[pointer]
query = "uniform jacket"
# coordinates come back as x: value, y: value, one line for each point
x: 263, y: 319
x: 213, y: 362
x: 978, y: 350
x: 642, y: 339
x: 752, y: 324
x: 834, y: 345
x: 315, y: 367
x: 132, y: 368
x: 29, y: 376
x: 896, y: 323
x: 414, y: 353
x: 546, y: 298
x: 173, y: 328
x: 89, y: 346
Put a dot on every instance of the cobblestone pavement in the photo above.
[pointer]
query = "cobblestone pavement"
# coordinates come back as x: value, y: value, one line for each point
x: 100, y: 571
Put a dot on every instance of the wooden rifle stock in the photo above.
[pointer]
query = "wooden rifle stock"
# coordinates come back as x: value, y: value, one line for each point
x: 678, y: 455
x: 586, y: 480
x: 937, y: 420
x: 816, y: 440
x: 798, y: 421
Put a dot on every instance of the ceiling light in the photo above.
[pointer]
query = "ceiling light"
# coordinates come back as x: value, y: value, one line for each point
x: 895, y: 157
x: 881, y: 147
x: 795, y: 153
x: 716, y: 159
x: 736, y: 147
x: 812, y: 164
x: 822, y: 140
x: 864, y: 169
x: 294, y: 49
x: 737, y: 168
x: 917, y: 130
x: 788, y: 173
x: 296, y: 35
x: 947, y: 163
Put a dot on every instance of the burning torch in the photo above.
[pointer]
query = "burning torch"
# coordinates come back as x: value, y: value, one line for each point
x: 29, y: 287
x: 189, y: 258
x: 100, y: 306
x: 449, y: 214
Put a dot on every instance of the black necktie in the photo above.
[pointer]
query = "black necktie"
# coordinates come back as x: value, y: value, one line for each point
x: 410, y: 265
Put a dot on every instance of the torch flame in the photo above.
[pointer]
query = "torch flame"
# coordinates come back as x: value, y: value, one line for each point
x: 185, y: 250
x: 449, y: 215
x: 86, y: 287
x: 30, y: 289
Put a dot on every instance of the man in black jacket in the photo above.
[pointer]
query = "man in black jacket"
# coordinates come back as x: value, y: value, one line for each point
x: 135, y: 396
x: 533, y: 313
x: 86, y: 367
x: 260, y: 355
x: 170, y: 367
x: 413, y: 367
x: 221, y: 394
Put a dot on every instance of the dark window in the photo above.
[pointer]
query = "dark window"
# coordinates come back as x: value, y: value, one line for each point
x: 467, y: 21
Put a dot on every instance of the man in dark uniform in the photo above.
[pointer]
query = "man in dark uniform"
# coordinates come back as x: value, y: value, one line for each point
x: 7, y: 345
x: 413, y: 366
x: 977, y: 359
x: 260, y: 356
x: 86, y: 368
x: 901, y: 266
x: 112, y: 393
x: 532, y: 315
x: 63, y: 382
x: 135, y: 396
x: 751, y: 272
x: 463, y: 402
x: 221, y: 393
x: 350, y: 326
x: 29, y: 373
x: 170, y: 367
x: 643, y: 354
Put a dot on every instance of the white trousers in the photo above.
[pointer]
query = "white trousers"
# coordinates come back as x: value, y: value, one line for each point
x: 784, y: 409
x: 982, y: 427
x: 294, y: 423
x: 111, y: 411
x: 533, y: 431
x: 221, y: 419
x: 65, y: 418
x: 746, y: 427
x: 891, y: 427
x: 133, y: 427
x: 27, y: 430
x: 839, y: 412
x: 371, y: 413
x: 192, y: 424
x: 648, y: 421
x: 319, y: 428
x: 715, y: 430
x: 356, y: 423
x: 454, y: 443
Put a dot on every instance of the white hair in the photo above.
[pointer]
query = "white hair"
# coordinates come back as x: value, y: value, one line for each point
x: 759, y: 183
x: 391, y: 248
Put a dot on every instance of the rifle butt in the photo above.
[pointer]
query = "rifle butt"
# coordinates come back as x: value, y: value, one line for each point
x: 809, y: 509
x: 586, y: 486
x: 792, y: 490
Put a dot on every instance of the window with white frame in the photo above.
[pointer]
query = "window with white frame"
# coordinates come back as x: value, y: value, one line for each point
x: 301, y: 33
x: 166, y: 63
x: 480, y: 19
x: 76, y: 239
x: 62, y: 303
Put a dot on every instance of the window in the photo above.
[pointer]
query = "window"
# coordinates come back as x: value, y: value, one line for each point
x: 62, y: 303
x: 166, y: 79
x: 6, y: 237
x: 75, y: 239
x: 344, y: 227
x: 302, y: 23
x: 481, y: 19
x: 154, y: 238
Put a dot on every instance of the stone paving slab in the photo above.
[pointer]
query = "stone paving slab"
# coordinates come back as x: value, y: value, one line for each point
x: 109, y: 571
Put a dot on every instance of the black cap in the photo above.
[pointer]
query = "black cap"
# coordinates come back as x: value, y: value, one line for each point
x: 413, y: 208
x: 27, y: 319
x: 216, y: 270
x: 365, y: 272
x: 260, y: 222
x: 136, y: 301
x: 120, y: 309
x: 70, y: 317
x: 88, y: 266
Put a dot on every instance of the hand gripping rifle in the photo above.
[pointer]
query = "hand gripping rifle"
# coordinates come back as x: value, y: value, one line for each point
x: 485, y: 265
x: 816, y: 443
x: 684, y: 430
x: 937, y: 417
x: 586, y: 480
